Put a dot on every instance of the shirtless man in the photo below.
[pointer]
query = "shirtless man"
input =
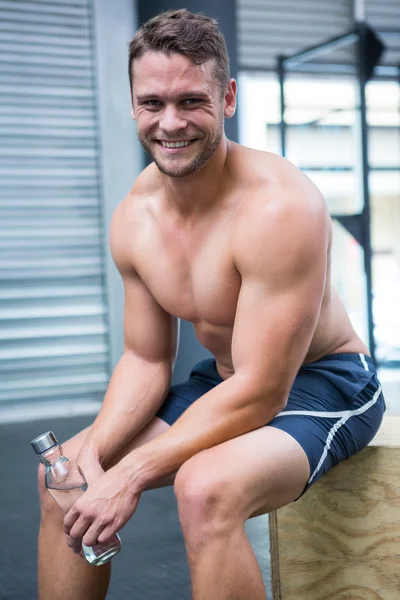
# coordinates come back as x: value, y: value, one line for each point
x: 237, y: 242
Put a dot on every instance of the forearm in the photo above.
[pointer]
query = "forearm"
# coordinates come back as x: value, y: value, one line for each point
x: 227, y: 411
x: 136, y: 390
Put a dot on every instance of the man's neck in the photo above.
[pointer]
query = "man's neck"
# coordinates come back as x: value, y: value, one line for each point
x: 195, y: 195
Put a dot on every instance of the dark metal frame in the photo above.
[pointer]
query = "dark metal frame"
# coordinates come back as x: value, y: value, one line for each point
x: 358, y: 225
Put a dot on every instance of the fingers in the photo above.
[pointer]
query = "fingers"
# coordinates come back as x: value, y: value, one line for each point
x: 91, y: 537
x: 76, y: 533
x: 75, y: 527
x: 87, y: 531
x: 70, y: 518
x: 108, y: 532
x: 75, y: 549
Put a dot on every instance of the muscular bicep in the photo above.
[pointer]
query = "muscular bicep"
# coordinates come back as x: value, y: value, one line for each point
x: 274, y: 326
x: 283, y: 273
x: 149, y: 331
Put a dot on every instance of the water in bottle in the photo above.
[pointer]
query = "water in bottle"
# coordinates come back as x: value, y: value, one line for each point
x: 65, y: 481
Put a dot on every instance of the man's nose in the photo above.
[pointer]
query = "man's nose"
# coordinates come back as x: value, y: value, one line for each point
x: 172, y: 120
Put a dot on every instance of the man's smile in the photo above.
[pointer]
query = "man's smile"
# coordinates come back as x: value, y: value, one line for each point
x: 175, y: 146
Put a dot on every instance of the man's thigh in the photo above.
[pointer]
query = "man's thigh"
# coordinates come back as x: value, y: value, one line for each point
x: 253, y: 474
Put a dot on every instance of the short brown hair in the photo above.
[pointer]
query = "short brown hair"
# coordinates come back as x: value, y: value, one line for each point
x: 193, y: 35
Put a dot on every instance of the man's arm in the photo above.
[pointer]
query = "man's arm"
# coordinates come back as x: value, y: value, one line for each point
x: 141, y: 378
x: 280, y: 251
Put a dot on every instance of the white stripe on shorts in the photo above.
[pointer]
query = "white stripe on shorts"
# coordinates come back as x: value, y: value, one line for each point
x: 364, y: 362
x: 344, y: 415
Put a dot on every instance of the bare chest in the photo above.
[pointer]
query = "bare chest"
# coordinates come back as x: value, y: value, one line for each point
x: 192, y: 275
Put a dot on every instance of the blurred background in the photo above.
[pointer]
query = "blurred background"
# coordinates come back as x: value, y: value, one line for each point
x: 318, y: 83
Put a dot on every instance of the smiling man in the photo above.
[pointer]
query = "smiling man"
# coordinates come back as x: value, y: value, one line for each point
x: 238, y: 242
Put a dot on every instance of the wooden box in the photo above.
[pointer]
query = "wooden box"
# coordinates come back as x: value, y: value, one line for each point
x: 341, y: 540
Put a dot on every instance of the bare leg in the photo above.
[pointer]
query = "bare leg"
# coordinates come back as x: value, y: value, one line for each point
x: 217, y: 491
x: 227, y: 566
x: 63, y: 575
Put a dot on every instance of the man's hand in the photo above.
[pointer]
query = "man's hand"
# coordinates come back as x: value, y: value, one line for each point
x: 90, y: 465
x: 103, y: 509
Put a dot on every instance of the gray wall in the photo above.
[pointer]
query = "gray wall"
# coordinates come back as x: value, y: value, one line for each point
x: 122, y: 159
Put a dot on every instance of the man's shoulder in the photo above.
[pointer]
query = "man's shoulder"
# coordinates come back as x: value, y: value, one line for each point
x: 146, y: 186
x: 272, y: 185
x: 128, y: 223
x: 278, y: 204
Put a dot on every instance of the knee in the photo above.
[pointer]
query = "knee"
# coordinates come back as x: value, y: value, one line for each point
x: 205, y: 502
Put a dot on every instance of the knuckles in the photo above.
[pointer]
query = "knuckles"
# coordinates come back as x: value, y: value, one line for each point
x: 84, y: 515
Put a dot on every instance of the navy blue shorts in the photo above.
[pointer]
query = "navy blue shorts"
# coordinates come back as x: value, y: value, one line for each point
x: 335, y: 407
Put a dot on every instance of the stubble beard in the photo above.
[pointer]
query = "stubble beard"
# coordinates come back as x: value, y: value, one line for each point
x: 198, y: 162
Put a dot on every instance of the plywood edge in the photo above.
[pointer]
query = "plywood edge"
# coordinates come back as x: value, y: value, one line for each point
x: 274, y: 546
x: 388, y: 435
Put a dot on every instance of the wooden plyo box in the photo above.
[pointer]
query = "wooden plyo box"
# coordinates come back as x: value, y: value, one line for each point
x: 341, y: 540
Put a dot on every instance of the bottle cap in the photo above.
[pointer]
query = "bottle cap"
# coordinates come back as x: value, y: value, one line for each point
x: 44, y: 442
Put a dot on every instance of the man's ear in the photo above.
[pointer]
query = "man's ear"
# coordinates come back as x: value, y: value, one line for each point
x: 133, y: 113
x: 230, y: 99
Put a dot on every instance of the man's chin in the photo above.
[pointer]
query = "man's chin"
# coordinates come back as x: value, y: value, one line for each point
x: 177, y: 170
x: 182, y: 166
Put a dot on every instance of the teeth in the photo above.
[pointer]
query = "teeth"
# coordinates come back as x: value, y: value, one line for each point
x: 175, y: 144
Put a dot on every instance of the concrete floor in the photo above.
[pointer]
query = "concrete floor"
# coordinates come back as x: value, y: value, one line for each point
x: 152, y: 564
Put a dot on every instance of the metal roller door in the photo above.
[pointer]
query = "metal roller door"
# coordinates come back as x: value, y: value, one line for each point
x: 53, y: 321
x: 267, y: 28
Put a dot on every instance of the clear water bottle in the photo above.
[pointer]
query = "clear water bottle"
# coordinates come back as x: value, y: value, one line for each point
x: 66, y: 483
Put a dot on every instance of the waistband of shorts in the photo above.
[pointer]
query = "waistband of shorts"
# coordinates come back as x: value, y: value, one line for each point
x: 358, y: 358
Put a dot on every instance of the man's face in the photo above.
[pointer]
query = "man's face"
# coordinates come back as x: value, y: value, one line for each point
x: 179, y: 111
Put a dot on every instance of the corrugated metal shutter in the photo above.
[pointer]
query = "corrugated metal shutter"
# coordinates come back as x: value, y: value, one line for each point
x: 53, y: 325
x: 385, y: 14
x: 267, y: 28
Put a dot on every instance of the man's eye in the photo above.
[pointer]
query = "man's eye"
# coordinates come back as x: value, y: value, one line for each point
x: 191, y: 101
x: 152, y: 103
